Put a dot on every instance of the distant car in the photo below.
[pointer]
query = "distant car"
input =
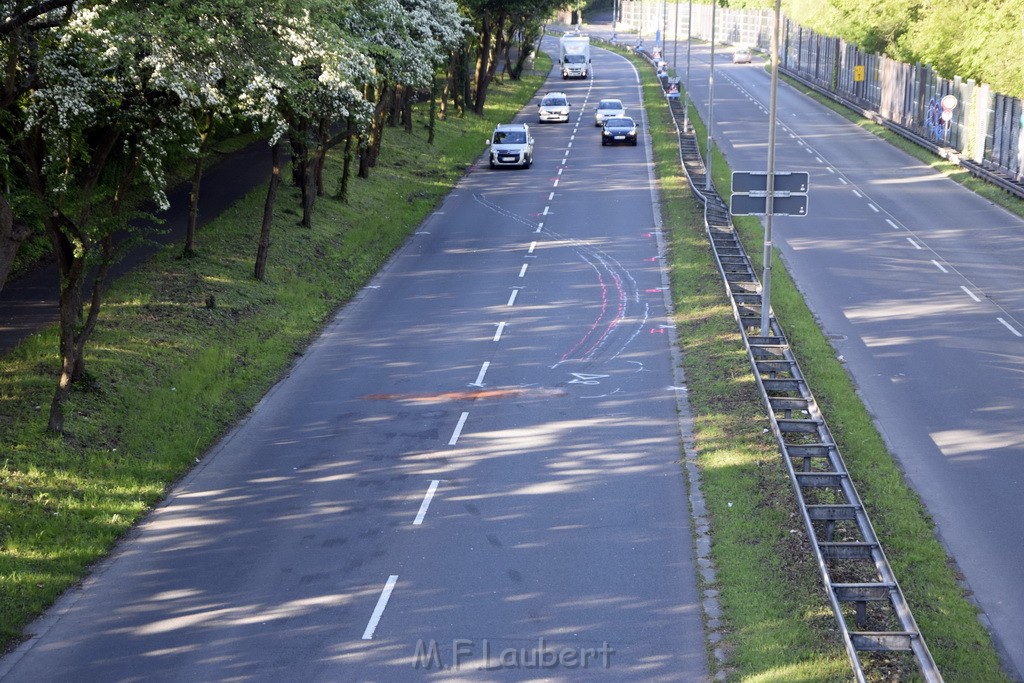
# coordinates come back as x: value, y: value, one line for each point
x: 511, y: 145
x: 619, y: 129
x: 741, y: 56
x: 608, y: 109
x: 554, y: 107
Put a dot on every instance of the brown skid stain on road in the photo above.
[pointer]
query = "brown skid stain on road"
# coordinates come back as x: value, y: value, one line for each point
x: 468, y: 395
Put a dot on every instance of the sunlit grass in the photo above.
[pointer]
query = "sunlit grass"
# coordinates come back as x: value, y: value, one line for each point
x: 185, y: 347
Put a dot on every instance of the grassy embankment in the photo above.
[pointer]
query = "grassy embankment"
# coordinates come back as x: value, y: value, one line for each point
x: 170, y: 374
x: 778, y: 626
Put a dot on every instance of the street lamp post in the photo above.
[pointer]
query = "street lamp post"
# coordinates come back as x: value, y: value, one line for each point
x: 686, y: 93
x: 766, y: 279
x: 675, y: 38
x: 711, y: 99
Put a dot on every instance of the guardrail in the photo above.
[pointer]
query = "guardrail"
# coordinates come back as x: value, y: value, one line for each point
x: 870, y: 609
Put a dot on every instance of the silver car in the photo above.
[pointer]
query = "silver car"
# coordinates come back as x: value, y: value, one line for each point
x: 511, y: 145
x: 554, y: 107
x: 608, y: 109
x: 741, y: 55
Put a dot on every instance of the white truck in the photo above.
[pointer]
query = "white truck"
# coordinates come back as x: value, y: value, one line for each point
x: 574, y: 55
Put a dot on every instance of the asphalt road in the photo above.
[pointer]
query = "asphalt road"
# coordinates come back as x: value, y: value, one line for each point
x: 476, y: 467
x: 919, y: 284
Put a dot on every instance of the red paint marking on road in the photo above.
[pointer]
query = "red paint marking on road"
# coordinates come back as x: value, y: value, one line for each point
x: 653, y: 258
x: 467, y: 395
x: 655, y: 330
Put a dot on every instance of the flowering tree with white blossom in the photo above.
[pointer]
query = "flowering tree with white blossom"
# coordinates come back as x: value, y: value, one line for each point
x: 26, y: 28
x: 100, y: 96
x: 97, y: 130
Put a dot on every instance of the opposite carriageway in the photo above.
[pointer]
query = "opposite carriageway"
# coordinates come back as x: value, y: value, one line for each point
x: 870, y: 609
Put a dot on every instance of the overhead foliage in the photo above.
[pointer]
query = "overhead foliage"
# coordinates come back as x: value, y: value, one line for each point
x: 979, y: 39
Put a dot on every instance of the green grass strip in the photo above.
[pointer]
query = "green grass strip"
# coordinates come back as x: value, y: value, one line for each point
x: 185, y: 347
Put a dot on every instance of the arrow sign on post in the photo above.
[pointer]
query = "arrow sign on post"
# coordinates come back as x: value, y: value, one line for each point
x: 743, y: 181
x: 757, y: 205
x: 750, y: 194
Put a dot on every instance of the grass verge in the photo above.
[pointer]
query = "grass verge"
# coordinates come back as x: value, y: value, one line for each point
x: 185, y: 347
x: 777, y: 625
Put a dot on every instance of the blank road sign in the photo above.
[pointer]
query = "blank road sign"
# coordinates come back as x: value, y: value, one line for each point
x: 758, y: 182
x: 747, y: 205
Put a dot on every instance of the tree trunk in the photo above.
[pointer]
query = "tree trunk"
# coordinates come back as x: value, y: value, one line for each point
x: 308, y: 191
x: 346, y: 167
x: 263, y: 249
x: 364, y: 160
x: 12, y: 234
x: 497, y: 50
x: 72, y: 261
x: 395, y: 118
x: 321, y: 160
x: 192, y: 227
x: 432, y: 119
x: 387, y: 98
x: 525, y: 48
x: 407, y: 110
x: 303, y: 170
x: 467, y: 82
x: 483, y: 68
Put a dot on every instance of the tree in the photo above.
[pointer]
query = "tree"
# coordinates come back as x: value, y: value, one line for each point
x: 320, y: 91
x: 438, y: 29
x: 97, y: 131
x: 981, y: 44
x: 24, y: 35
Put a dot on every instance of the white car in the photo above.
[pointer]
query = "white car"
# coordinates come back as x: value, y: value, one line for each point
x: 554, y: 107
x: 741, y: 56
x: 608, y: 109
x: 511, y: 145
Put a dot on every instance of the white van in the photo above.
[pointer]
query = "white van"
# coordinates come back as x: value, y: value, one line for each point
x: 511, y: 145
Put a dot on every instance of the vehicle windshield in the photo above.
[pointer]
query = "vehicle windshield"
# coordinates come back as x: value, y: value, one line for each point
x: 554, y: 102
x: 575, y: 59
x: 509, y: 137
x: 610, y: 104
x: 619, y: 123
